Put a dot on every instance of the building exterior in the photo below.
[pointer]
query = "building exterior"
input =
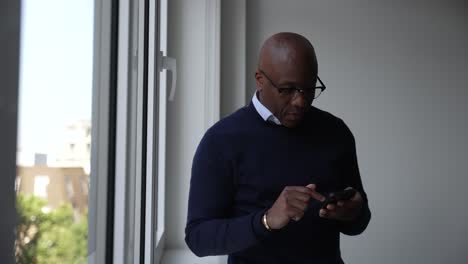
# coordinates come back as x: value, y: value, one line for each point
x: 58, y: 185
x: 74, y: 150
x: 60, y: 175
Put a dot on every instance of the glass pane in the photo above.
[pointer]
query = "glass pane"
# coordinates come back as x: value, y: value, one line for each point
x: 317, y: 92
x: 54, y: 135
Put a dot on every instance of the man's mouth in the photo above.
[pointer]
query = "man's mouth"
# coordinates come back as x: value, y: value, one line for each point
x: 295, y: 115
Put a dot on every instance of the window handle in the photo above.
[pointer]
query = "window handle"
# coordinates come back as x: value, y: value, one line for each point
x: 170, y: 64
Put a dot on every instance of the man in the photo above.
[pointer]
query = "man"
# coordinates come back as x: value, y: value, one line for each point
x: 260, y: 175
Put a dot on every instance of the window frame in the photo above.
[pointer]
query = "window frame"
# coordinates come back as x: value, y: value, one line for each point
x: 101, y: 191
x: 127, y: 150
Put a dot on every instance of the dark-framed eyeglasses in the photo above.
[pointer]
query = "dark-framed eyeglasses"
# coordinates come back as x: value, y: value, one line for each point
x: 292, y: 92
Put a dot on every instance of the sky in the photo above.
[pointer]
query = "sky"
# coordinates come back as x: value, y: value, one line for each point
x: 55, y: 69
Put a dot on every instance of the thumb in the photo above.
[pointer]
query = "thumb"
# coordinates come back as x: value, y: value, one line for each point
x: 311, y: 186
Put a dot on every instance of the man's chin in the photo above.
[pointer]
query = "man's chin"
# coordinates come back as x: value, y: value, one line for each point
x: 291, y: 122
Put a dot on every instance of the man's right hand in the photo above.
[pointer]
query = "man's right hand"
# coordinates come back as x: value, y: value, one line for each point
x: 291, y: 204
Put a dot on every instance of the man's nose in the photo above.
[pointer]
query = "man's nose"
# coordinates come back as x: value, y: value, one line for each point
x: 299, y: 100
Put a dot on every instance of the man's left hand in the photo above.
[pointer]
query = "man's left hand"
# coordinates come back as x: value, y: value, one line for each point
x: 346, y: 210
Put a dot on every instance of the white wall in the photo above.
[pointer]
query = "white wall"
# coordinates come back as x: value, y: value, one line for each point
x: 192, y: 39
x: 233, y: 56
x: 185, y: 121
x: 397, y: 73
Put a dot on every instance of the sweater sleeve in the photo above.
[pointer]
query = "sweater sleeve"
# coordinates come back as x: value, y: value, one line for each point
x: 352, y: 178
x: 210, y: 230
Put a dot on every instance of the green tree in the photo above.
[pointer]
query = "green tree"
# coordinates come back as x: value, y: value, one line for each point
x: 49, y: 237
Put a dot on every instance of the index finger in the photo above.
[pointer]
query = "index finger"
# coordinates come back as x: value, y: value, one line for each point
x: 316, y: 195
x: 307, y: 190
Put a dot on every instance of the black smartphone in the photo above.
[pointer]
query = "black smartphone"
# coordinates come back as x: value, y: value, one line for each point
x: 334, y: 197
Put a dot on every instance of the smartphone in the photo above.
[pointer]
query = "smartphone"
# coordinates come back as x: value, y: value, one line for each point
x: 334, y: 197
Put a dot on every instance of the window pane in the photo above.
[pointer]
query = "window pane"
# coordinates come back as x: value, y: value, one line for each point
x: 54, y: 136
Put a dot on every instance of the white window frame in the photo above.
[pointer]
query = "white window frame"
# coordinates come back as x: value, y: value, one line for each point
x: 128, y: 227
x: 102, y: 160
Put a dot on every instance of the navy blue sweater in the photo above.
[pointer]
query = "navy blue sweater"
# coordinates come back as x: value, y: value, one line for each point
x: 241, y: 166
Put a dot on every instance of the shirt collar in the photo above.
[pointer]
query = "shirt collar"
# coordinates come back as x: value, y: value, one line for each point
x: 263, y: 111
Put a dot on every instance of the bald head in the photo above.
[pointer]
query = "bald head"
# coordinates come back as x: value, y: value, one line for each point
x: 286, y: 60
x: 287, y: 48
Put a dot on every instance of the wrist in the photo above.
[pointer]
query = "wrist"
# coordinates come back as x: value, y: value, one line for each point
x: 265, y: 221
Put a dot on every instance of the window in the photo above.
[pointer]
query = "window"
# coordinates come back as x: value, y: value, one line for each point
x: 17, y: 183
x: 105, y: 146
x: 40, y: 185
x: 69, y: 188
x: 128, y: 142
x: 55, y: 88
x: 84, y: 185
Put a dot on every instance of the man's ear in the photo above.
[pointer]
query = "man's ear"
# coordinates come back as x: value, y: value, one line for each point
x: 258, y: 80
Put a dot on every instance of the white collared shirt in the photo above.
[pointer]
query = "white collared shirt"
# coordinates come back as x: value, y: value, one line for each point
x: 263, y: 111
